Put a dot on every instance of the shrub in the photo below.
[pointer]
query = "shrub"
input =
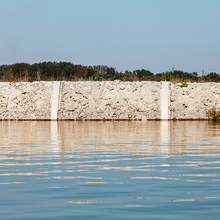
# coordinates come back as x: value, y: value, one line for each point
x: 213, y: 113
x: 184, y: 84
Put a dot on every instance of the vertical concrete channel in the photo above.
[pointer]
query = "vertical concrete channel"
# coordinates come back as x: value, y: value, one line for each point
x: 55, y: 101
x: 165, y: 100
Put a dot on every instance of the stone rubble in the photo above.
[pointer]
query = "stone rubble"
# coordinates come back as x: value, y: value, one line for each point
x: 109, y: 100
x: 106, y: 100
x: 25, y: 100
x: 193, y: 101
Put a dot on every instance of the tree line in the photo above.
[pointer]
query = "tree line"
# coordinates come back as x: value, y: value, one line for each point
x: 66, y: 71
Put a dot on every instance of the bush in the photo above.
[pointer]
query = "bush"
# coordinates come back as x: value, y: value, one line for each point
x: 213, y: 113
x: 184, y: 84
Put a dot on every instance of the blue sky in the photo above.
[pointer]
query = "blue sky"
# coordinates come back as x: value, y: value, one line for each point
x: 156, y: 35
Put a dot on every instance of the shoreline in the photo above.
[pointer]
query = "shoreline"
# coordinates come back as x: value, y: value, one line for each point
x: 106, y: 101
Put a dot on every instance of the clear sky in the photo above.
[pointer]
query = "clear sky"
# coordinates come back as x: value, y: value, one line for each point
x: 155, y: 35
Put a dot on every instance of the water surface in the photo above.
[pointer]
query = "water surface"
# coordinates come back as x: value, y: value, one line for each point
x: 109, y: 170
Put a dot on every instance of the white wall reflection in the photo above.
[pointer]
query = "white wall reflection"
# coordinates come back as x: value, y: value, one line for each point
x: 165, y: 136
x: 110, y: 137
x: 55, y: 142
x: 29, y: 137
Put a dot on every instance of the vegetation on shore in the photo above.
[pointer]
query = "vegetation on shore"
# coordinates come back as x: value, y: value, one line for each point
x: 52, y: 71
x: 213, y: 113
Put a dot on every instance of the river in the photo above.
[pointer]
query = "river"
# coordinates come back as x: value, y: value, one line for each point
x: 109, y: 170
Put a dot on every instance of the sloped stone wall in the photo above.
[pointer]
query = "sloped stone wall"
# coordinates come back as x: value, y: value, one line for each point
x: 109, y: 100
x: 193, y: 101
x: 106, y: 100
x: 25, y: 100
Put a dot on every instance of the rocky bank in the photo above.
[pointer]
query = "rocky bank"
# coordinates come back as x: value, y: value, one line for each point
x: 106, y: 100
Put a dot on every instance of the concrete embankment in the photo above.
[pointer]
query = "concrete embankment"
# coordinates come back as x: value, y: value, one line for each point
x: 107, y: 100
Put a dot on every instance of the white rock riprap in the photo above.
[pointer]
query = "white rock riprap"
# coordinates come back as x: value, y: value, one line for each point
x: 24, y: 100
x: 109, y: 100
x: 193, y: 101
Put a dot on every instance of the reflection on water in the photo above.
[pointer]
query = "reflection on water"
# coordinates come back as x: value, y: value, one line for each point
x: 117, y: 170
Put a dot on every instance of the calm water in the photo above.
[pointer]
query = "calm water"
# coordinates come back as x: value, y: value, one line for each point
x: 110, y: 170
